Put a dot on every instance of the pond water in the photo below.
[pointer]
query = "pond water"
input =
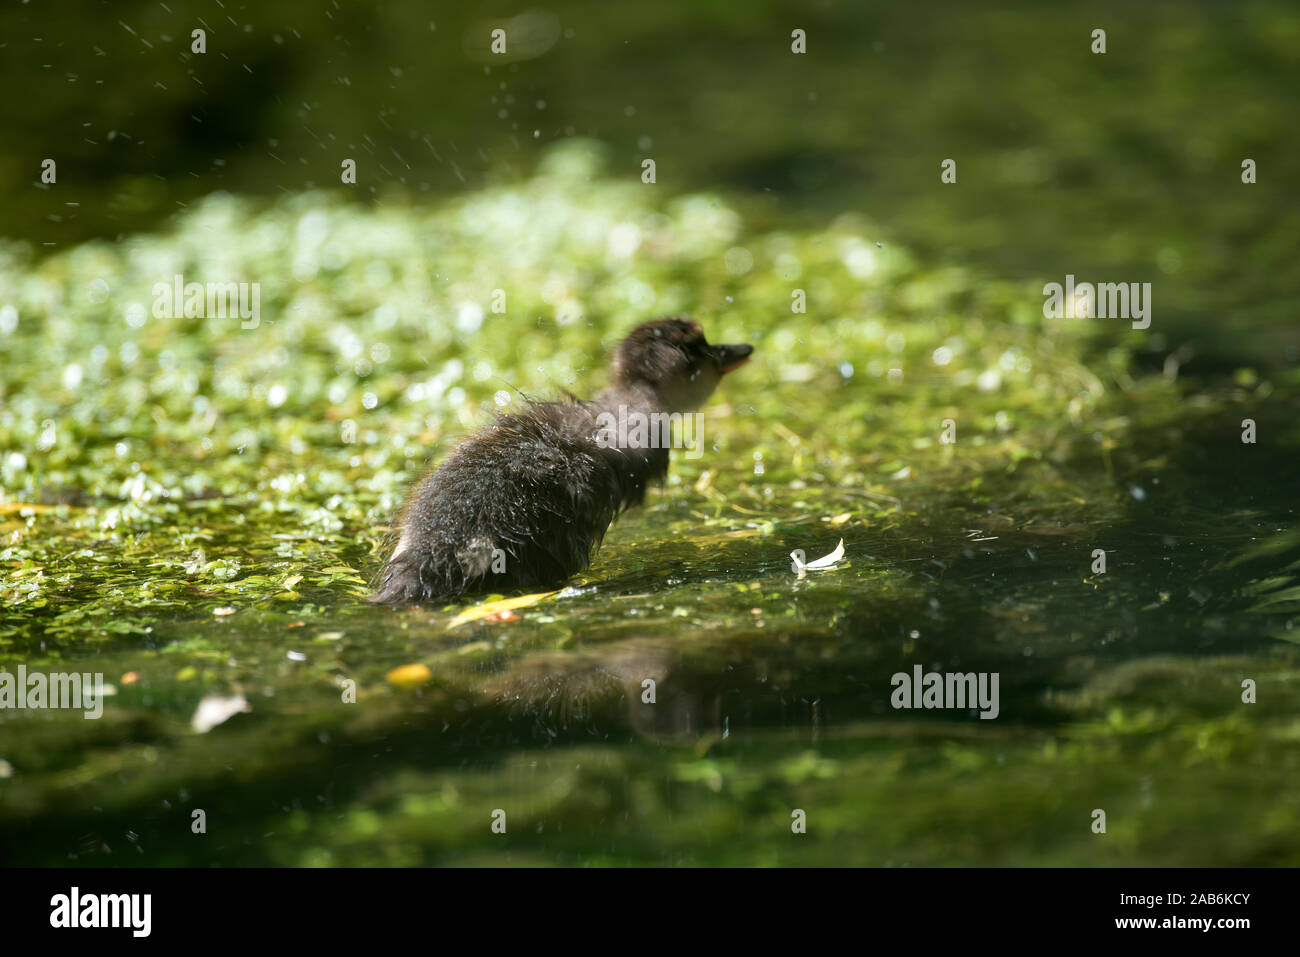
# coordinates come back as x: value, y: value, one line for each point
x: 194, y: 506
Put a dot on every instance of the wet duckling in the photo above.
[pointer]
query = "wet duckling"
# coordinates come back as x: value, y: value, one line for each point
x: 525, y: 501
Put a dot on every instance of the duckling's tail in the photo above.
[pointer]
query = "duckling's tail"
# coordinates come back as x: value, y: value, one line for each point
x: 409, y: 579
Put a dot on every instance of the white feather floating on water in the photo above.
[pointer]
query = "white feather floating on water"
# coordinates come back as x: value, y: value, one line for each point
x: 214, y: 710
x: 826, y: 561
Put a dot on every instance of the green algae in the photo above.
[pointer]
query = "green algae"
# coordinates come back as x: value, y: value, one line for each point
x: 195, y: 508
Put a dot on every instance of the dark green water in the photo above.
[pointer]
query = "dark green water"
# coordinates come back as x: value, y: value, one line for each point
x: 194, y: 509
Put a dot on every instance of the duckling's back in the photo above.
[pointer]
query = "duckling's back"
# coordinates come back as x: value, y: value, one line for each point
x: 523, y: 503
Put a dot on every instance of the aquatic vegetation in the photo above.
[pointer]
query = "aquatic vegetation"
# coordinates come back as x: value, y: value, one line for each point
x: 199, y: 505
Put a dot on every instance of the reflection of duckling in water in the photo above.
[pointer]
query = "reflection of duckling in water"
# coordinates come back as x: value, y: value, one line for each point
x: 593, y: 689
x: 524, y: 501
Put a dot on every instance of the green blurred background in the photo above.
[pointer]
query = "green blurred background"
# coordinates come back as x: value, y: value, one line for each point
x: 185, y: 502
x: 1123, y: 164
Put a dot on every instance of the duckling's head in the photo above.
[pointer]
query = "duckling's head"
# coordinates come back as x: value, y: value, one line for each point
x: 673, y: 359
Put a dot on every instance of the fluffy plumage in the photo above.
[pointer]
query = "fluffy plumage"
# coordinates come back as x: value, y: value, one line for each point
x: 526, y: 501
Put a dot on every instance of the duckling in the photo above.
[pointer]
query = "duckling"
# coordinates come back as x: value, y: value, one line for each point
x: 525, y: 501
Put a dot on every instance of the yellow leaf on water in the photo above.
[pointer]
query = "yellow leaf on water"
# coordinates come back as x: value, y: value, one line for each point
x: 410, y: 676
x: 493, y: 607
x: 9, y: 508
